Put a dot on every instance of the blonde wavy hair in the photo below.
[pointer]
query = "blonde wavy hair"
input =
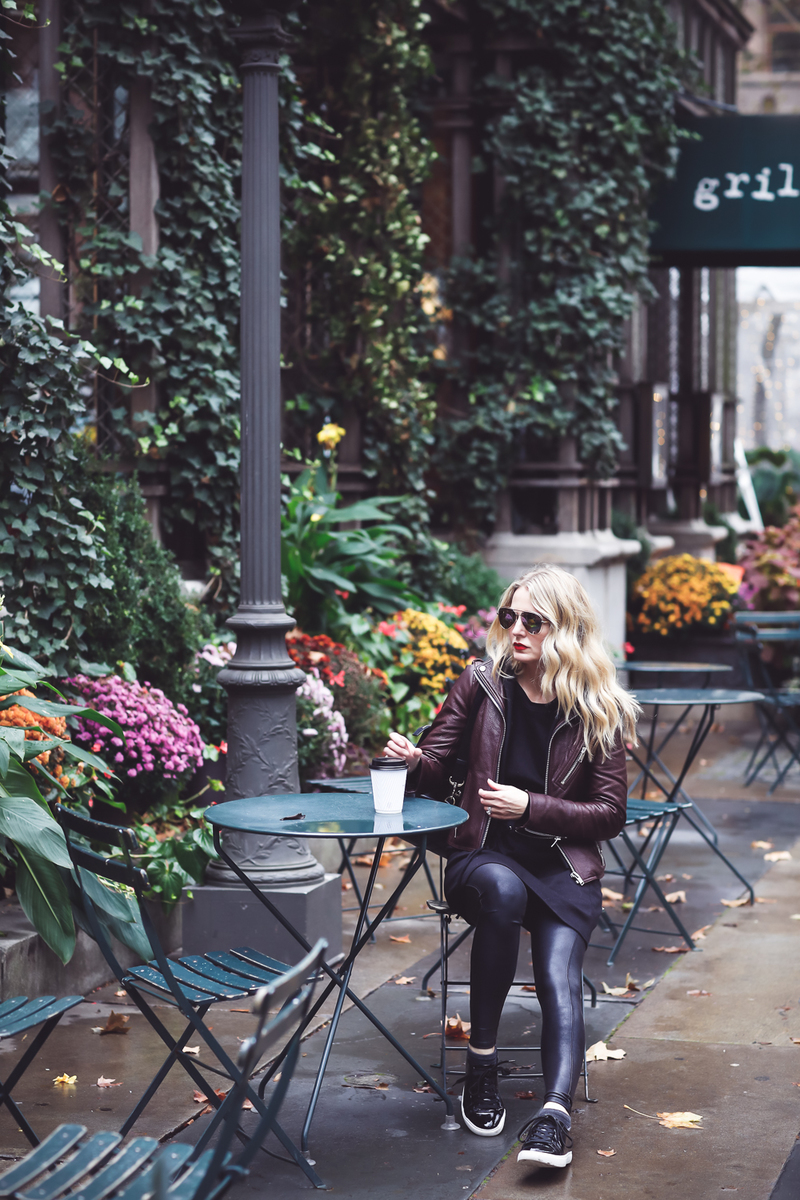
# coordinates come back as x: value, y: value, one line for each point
x: 577, y: 669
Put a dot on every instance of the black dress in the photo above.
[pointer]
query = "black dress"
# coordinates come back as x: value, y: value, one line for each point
x: 534, y: 860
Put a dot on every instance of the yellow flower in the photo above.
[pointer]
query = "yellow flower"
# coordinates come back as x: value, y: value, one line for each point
x: 330, y: 435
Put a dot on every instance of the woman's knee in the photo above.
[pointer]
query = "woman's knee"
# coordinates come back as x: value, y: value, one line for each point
x: 501, y: 893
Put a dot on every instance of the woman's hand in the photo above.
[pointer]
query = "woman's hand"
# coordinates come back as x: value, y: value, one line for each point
x: 400, y: 747
x: 503, y: 802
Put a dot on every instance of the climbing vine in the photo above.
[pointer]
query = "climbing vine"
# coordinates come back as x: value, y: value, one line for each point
x: 579, y: 135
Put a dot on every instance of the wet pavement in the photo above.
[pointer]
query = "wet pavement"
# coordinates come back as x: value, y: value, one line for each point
x: 680, y: 1047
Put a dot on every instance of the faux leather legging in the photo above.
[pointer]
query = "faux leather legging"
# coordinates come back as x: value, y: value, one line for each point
x: 498, y: 904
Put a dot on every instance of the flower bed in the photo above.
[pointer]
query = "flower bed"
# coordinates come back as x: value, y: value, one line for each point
x: 682, y: 594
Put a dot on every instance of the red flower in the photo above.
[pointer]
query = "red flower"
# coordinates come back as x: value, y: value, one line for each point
x: 628, y: 648
x: 338, y: 679
x: 96, y: 747
x: 344, y: 595
x: 223, y: 747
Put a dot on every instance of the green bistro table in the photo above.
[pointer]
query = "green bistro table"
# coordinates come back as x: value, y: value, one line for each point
x: 339, y: 815
x: 663, y: 815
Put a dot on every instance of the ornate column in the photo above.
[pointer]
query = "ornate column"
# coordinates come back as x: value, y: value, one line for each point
x: 261, y: 679
x: 52, y: 289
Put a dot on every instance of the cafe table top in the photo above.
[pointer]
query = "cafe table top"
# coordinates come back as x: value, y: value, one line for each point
x: 673, y: 668
x: 331, y: 815
x: 683, y: 697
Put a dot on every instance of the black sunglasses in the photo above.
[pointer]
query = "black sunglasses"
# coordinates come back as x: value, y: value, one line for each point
x: 531, y: 622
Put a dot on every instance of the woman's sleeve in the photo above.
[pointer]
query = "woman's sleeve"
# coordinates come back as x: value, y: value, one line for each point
x: 441, y: 741
x: 599, y: 815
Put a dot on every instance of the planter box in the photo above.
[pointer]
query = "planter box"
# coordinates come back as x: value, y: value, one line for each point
x: 711, y: 648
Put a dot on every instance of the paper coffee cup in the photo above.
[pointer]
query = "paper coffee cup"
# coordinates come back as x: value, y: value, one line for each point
x: 388, y: 776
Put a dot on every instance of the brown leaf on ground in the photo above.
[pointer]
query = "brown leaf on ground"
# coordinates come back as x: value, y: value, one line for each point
x: 796, y: 1041
x: 675, y: 897
x: 740, y: 903
x: 404, y: 980
x: 649, y: 983
x: 528, y: 987
x: 121, y: 993
x: 778, y: 856
x: 244, y: 1010
x: 607, y: 1153
x: 762, y: 845
x: 698, y: 992
x: 764, y: 900
x: 107, y: 1083
x: 372, y: 1082
x: 116, y: 1023
x: 670, y: 949
x: 655, y: 908
x: 424, y: 1089
x: 404, y: 938
x: 600, y: 1052
x: 611, y: 897
x: 347, y: 885
x: 365, y: 860
x: 686, y: 876
x: 525, y: 1095
x: 456, y: 1028
x: 195, y: 1050
x: 631, y: 983
x: 665, y: 878
x: 615, y: 991
x: 680, y: 1120
x: 699, y: 934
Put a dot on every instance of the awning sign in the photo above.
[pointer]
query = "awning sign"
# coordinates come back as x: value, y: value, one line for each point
x: 735, y: 199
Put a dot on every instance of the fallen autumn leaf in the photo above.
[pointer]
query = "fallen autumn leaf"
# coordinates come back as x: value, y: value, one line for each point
x: 740, y: 903
x: 456, y: 1028
x: 680, y: 1120
x: 675, y: 897
x: 403, y: 938
x: 778, y: 856
x: 191, y: 1050
x: 525, y: 1095
x: 615, y: 991
x: 607, y: 1153
x: 670, y: 949
x: 698, y: 992
x: 600, y: 1052
x: 762, y: 845
x: 106, y: 1083
x: 66, y: 1080
x: 116, y: 1023
x: 403, y: 980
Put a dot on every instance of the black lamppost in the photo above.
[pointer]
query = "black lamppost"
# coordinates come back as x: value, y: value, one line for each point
x: 261, y: 679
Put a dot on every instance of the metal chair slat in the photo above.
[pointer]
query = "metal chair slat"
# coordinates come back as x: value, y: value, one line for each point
x: 261, y: 975
x: 35, y: 1012
x: 156, y: 1178
x: 9, y: 1006
x: 129, y: 1160
x: 46, y: 1153
x: 94, y: 1152
x: 202, y: 983
x: 260, y: 960
x: 208, y: 969
x: 156, y: 980
x: 185, y: 1187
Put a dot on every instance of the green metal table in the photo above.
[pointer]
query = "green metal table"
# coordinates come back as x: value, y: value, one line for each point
x: 339, y: 815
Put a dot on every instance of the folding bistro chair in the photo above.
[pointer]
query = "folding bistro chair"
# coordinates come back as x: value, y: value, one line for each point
x: 447, y: 949
x: 190, y: 984
x: 70, y: 1164
x: 17, y: 1016
x: 777, y: 712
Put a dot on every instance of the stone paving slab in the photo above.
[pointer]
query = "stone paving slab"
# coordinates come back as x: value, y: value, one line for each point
x: 728, y: 1056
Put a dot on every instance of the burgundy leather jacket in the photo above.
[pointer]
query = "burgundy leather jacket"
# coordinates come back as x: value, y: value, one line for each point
x: 584, y: 800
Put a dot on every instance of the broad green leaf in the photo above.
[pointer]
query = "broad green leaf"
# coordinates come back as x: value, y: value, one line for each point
x: 4, y: 759
x: 16, y: 660
x: 48, y: 708
x: 19, y: 782
x: 27, y: 824
x: 115, y: 904
x: 14, y: 739
x: 45, y: 902
x: 86, y: 756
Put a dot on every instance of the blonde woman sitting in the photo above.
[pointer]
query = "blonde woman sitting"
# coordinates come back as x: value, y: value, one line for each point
x: 545, y: 782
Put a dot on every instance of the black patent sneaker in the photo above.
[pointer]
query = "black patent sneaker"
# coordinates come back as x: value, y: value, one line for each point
x: 545, y: 1140
x: 481, y: 1106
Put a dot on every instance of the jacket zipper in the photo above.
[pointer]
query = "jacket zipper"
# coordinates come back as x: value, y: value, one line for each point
x: 574, y: 766
x: 574, y: 874
x: 482, y: 683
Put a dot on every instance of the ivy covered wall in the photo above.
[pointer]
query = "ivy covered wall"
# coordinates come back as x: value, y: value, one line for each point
x: 579, y: 133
